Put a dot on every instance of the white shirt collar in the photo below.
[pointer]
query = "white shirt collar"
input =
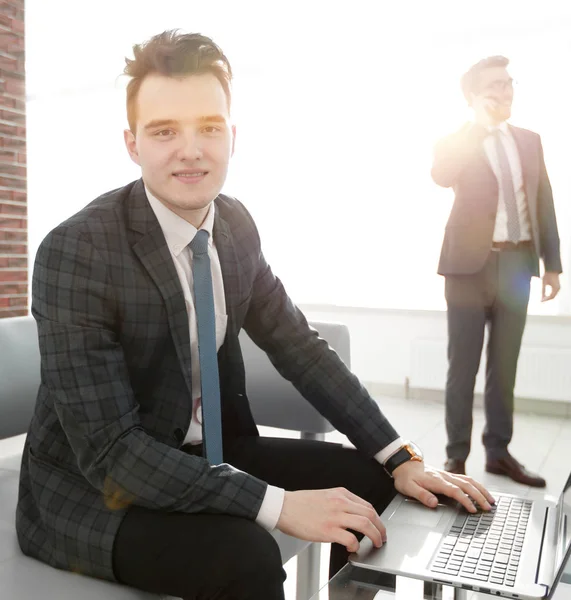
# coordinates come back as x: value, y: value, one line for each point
x: 503, y: 127
x: 178, y: 232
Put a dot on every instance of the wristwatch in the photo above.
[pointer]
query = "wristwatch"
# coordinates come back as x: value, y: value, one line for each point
x: 409, y: 451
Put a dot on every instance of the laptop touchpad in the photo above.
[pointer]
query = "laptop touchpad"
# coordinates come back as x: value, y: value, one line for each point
x: 411, y: 512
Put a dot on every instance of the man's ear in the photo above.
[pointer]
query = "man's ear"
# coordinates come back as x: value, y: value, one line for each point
x: 233, y: 139
x: 131, y: 144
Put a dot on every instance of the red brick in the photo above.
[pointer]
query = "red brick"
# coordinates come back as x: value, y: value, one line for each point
x: 5, y: 314
x: 5, y: 20
x: 13, y: 262
x: 14, y: 276
x: 8, y: 169
x: 22, y: 158
x: 15, y: 184
x: 7, y: 129
x: 5, y: 101
x: 11, y: 43
x: 14, y: 117
x: 13, y: 223
x: 18, y: 26
x: 15, y: 87
x: 12, y: 209
x: 10, y: 289
x: 13, y: 236
x: 19, y: 301
x: 18, y: 196
x: 11, y: 65
x: 7, y: 155
x: 13, y: 249
x: 12, y: 143
x: 15, y: 3
x: 17, y: 262
x: 6, y: 8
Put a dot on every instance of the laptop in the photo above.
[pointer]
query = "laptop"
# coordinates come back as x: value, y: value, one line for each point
x: 517, y: 550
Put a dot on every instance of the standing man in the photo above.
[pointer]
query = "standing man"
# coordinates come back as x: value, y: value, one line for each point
x: 502, y: 222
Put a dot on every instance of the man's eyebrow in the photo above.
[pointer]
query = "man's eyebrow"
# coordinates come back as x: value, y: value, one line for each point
x: 170, y: 122
x: 212, y: 119
x: 159, y: 123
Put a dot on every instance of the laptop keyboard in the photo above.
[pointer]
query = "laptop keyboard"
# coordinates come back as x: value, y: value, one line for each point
x: 486, y: 546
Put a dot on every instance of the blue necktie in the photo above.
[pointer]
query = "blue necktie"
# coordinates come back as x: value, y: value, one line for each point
x: 206, y: 322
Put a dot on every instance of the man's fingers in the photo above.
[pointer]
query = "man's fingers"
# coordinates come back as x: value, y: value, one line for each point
x: 458, y: 494
x: 440, y: 485
x: 364, y: 526
x: 471, y: 489
x: 370, y: 513
x: 422, y: 494
x: 347, y: 539
x: 354, y: 497
x: 481, y: 489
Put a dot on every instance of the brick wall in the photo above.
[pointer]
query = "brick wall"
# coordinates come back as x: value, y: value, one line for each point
x: 13, y: 209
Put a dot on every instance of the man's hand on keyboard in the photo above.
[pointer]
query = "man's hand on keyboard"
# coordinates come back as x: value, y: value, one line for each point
x: 421, y: 481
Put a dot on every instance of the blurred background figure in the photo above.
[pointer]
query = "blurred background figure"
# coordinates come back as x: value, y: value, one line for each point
x: 501, y: 224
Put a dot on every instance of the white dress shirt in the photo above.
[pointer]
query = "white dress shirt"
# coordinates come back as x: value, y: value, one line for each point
x: 178, y: 235
x: 501, y: 227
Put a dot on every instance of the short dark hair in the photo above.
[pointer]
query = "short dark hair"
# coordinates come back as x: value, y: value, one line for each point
x: 469, y: 81
x: 173, y: 54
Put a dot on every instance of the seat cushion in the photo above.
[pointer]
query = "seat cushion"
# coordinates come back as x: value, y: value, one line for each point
x: 24, y: 577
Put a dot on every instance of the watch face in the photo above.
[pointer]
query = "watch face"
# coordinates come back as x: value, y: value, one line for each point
x: 416, y: 450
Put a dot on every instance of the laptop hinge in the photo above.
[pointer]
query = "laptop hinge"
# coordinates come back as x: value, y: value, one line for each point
x: 546, y: 564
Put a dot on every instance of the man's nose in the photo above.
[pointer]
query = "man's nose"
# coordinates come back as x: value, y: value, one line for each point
x: 190, y: 148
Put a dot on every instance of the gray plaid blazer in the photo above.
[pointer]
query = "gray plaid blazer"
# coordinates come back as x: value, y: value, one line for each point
x: 113, y: 405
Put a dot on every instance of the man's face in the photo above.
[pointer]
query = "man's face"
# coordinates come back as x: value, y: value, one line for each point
x: 496, y: 84
x: 183, y: 140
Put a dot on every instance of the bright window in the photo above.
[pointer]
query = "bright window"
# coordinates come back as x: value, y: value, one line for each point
x: 338, y: 106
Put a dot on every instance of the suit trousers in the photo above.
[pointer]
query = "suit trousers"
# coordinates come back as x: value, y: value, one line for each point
x: 496, y: 296
x: 210, y: 556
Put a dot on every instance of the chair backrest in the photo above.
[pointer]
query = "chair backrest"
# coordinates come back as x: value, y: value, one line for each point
x: 19, y: 374
x: 274, y: 401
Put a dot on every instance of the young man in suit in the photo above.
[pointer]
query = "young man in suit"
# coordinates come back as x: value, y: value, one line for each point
x: 502, y: 222
x: 143, y: 463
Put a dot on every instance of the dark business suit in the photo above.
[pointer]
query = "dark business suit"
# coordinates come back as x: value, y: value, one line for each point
x: 114, y: 403
x: 486, y: 286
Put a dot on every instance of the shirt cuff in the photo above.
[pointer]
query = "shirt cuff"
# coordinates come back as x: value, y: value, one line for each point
x: 389, y: 450
x: 271, y: 508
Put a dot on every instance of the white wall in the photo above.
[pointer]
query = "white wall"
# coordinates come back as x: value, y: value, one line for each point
x: 389, y: 347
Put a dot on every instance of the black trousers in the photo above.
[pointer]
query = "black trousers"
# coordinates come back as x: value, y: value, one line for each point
x: 498, y: 296
x: 206, y: 556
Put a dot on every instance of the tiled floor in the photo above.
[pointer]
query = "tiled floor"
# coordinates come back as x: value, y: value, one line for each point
x: 541, y: 443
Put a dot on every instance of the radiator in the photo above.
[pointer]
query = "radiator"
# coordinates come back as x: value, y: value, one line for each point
x: 543, y: 373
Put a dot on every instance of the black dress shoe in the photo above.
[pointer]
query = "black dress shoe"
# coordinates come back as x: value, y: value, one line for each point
x: 510, y: 467
x: 456, y: 466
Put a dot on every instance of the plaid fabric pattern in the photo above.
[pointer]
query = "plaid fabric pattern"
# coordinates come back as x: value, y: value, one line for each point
x: 114, y: 403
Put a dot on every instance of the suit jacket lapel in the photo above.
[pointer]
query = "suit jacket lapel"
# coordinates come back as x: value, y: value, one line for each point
x: 229, y: 266
x: 150, y: 246
x: 529, y: 168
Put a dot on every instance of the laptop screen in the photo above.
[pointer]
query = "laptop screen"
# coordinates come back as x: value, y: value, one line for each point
x: 563, y: 557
